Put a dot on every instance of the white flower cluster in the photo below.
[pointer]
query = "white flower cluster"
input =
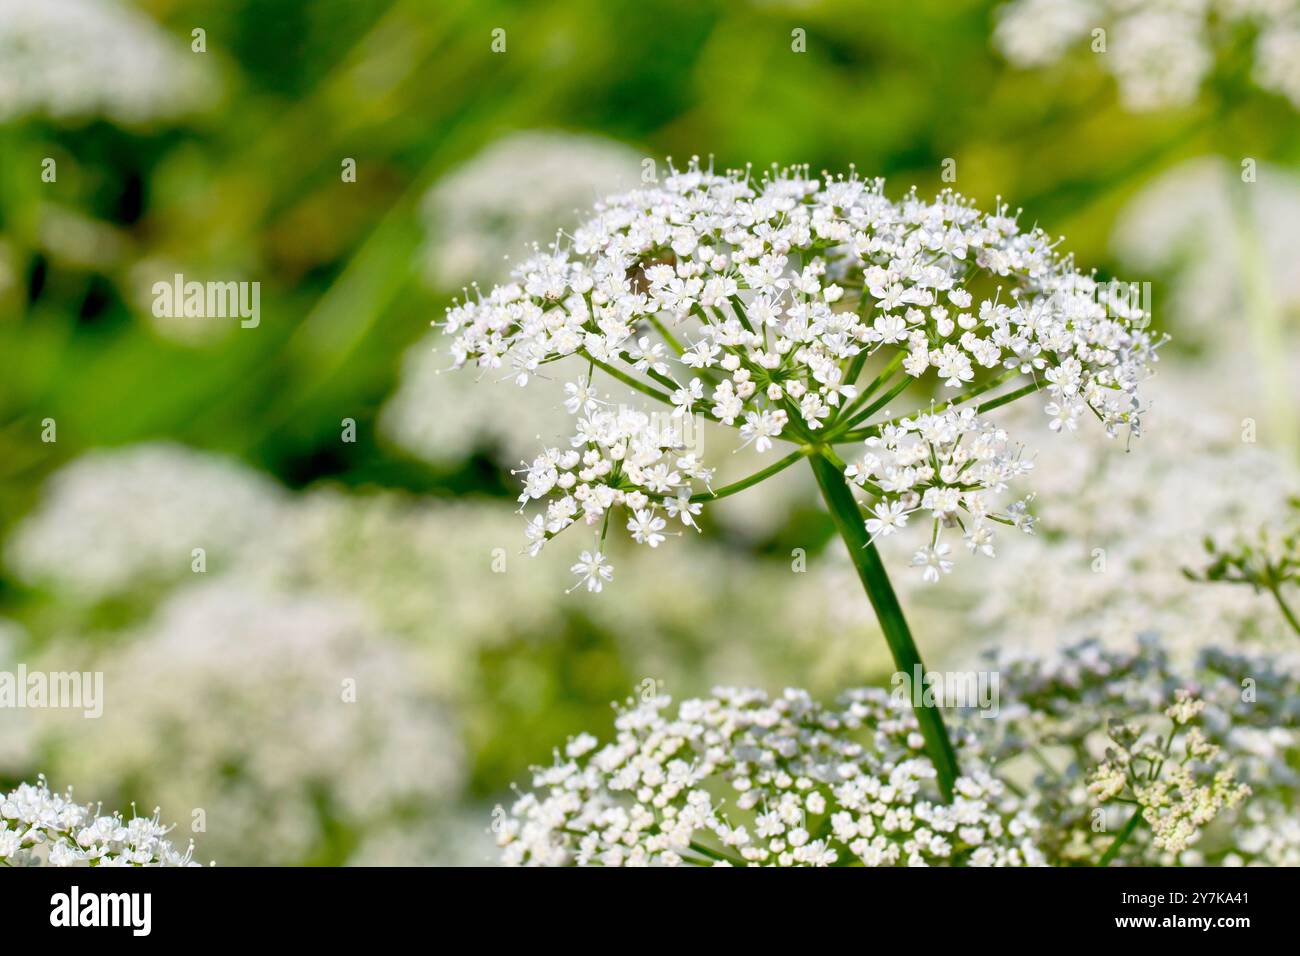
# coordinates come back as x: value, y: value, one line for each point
x: 808, y: 786
x: 70, y: 59
x: 39, y: 827
x: 1159, y: 51
x: 782, y: 289
x: 942, y: 463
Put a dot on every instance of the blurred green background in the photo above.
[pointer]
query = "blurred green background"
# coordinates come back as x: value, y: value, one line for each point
x: 402, y: 524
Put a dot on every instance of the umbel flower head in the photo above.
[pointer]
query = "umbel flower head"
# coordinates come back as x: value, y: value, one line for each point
x: 40, y: 827
x: 742, y: 779
x: 795, y: 309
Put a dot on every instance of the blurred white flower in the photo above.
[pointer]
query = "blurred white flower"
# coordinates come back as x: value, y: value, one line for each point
x: 1277, y: 60
x: 422, y: 570
x: 517, y: 191
x: 117, y: 518
x: 280, y: 718
x: 1159, y: 51
x: 1040, y: 32
x: 1201, y: 225
x: 74, y: 59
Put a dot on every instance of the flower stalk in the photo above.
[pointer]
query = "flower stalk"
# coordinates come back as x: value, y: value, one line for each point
x: 871, y: 570
x: 1113, y: 850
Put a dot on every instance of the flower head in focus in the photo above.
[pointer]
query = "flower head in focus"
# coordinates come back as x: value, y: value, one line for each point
x: 794, y: 309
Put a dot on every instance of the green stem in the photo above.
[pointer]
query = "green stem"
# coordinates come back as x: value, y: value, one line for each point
x: 877, y: 405
x: 858, y: 434
x: 865, y: 395
x: 705, y: 851
x: 1120, y: 840
x: 753, y: 479
x: 629, y: 380
x: 1285, y: 608
x: 1009, y: 397
x: 871, y: 570
x: 667, y: 336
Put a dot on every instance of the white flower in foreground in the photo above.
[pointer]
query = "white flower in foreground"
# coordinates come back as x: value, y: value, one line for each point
x: 39, y: 827
x: 739, y: 779
x: 71, y: 59
x: 759, y: 303
x: 1159, y: 51
x: 593, y: 570
x: 945, y: 464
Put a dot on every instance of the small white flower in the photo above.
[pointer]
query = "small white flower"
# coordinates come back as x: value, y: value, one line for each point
x: 581, y: 397
x: 592, y: 570
x: 646, y: 527
x: 682, y: 507
x: 934, y: 560
x: 761, y: 427
x: 889, y: 517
